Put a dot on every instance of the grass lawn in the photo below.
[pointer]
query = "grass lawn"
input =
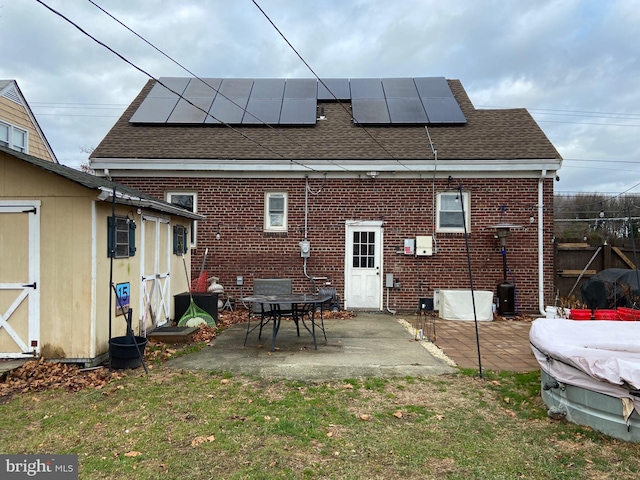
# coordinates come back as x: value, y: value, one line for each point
x: 177, y: 424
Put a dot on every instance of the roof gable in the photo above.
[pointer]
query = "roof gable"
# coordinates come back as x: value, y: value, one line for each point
x: 10, y: 90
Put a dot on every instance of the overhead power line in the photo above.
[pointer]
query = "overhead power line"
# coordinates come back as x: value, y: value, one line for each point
x: 325, y: 86
x: 141, y: 70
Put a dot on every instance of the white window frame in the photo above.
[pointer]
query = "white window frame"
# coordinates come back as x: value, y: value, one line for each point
x: 268, y: 226
x: 10, y: 141
x: 194, y: 223
x: 467, y: 212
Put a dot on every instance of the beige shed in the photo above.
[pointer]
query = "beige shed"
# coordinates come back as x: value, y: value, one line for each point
x: 71, y: 255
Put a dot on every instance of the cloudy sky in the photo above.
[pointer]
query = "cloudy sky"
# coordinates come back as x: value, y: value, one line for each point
x: 572, y: 63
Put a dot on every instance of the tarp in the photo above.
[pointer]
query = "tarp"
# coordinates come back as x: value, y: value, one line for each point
x: 610, y: 288
x: 602, y: 356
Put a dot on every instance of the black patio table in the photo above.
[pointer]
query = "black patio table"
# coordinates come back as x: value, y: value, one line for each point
x: 302, y: 305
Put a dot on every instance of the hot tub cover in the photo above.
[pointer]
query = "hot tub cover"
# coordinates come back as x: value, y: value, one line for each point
x: 603, y: 356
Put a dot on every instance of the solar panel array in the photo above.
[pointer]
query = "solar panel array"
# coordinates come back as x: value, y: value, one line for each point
x: 374, y: 101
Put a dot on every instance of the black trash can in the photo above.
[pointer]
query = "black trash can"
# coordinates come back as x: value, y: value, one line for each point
x: 507, y: 299
x: 125, y: 353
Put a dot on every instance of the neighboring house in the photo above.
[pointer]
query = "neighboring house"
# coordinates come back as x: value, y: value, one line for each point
x: 56, y: 251
x: 19, y: 129
x: 351, y: 180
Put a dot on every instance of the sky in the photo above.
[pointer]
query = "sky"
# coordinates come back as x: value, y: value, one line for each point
x: 573, y: 64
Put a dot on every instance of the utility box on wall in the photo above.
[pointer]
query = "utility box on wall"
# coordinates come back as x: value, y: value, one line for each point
x: 424, y: 246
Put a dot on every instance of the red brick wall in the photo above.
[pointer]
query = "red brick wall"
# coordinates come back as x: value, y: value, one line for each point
x: 405, y: 206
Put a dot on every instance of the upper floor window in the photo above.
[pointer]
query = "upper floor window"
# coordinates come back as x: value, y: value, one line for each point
x: 275, y: 211
x: 188, y: 201
x: 449, y: 218
x: 13, y: 137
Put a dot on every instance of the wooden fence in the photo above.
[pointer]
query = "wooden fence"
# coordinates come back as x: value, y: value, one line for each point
x: 577, y: 262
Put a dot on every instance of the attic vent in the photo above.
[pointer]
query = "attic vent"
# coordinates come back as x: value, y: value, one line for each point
x: 12, y: 94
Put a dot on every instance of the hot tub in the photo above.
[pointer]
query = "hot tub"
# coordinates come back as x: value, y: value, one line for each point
x: 591, y: 373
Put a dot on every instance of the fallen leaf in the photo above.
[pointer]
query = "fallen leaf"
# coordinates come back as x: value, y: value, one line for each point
x: 329, y: 434
x: 132, y: 454
x: 347, y: 386
x: 365, y: 417
x: 439, y: 417
x: 507, y: 400
x: 397, y: 414
x: 200, y: 440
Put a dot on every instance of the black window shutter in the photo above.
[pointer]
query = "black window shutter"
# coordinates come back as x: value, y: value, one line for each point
x: 132, y: 239
x: 111, y: 230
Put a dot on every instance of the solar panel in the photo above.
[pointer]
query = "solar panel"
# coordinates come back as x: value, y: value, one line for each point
x: 443, y: 110
x: 201, y: 94
x: 366, y: 88
x: 177, y: 84
x: 185, y: 112
x: 160, y: 101
x: 298, y: 111
x: 438, y: 100
x: 406, y: 110
x: 370, y: 110
x: 154, y: 110
x: 337, y: 86
x: 403, y: 101
x: 300, y: 88
x: 267, y: 88
x: 433, y: 87
x: 265, y: 102
x: 205, y: 87
x: 236, y: 90
x: 399, y: 87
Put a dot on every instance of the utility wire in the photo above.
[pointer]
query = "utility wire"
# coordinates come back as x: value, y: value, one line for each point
x: 168, y: 88
x: 218, y: 92
x: 325, y: 86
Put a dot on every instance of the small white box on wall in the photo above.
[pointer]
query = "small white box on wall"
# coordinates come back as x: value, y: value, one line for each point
x: 424, y: 245
x: 408, y: 246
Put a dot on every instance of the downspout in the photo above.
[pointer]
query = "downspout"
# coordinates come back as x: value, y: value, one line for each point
x: 541, y: 305
x: 306, y: 217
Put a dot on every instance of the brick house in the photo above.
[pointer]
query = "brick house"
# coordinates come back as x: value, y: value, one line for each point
x: 350, y: 180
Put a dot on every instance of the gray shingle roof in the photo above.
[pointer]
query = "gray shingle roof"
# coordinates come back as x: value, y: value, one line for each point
x: 124, y: 194
x: 506, y: 134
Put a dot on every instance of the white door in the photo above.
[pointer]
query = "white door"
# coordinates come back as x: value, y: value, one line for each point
x: 155, y: 258
x: 363, y: 265
x: 20, y: 279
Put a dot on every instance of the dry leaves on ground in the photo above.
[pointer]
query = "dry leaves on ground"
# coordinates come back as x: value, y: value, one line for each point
x: 40, y: 375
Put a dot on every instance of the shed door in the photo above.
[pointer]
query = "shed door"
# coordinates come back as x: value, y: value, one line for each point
x: 155, y: 242
x: 363, y: 269
x: 19, y: 279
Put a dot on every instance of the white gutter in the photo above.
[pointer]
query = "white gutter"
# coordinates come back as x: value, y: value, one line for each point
x: 541, y: 304
x: 127, y: 199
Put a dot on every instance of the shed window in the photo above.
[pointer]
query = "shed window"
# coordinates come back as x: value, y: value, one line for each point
x: 450, y: 212
x: 188, y: 201
x: 275, y: 211
x: 180, y: 239
x: 121, y: 240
